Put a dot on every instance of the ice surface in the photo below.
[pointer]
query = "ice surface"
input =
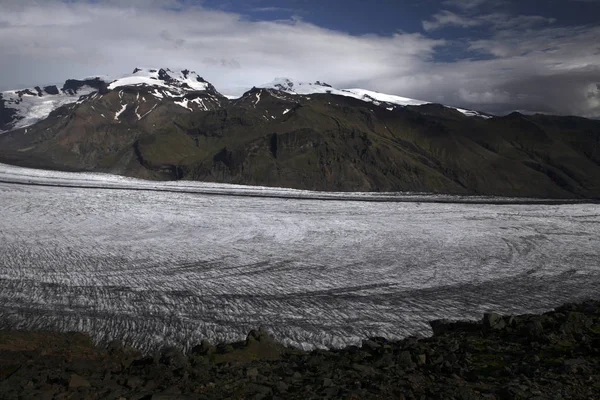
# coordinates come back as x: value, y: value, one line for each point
x: 156, y: 263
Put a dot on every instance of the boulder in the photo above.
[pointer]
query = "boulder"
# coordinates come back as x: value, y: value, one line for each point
x: 173, y: 357
x: 405, y: 360
x: 203, y: 349
x: 258, y: 335
x: 534, y: 328
x: 440, y: 326
x: 252, y: 373
x: 493, y: 321
x: 77, y: 381
x: 370, y: 345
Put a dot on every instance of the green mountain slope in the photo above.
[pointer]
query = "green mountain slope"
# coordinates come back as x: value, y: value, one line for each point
x: 321, y: 142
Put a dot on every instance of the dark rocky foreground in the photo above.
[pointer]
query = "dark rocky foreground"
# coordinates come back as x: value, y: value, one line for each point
x: 550, y: 356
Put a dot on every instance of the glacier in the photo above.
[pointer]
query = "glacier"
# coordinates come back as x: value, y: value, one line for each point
x: 169, y: 264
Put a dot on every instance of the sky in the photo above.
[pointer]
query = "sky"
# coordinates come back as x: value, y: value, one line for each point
x: 496, y: 56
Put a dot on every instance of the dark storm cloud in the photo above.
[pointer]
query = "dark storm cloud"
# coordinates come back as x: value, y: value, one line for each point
x: 559, y: 93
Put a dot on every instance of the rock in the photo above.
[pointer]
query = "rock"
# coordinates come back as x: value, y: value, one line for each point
x: 258, y: 335
x: 331, y: 392
x: 77, y: 381
x: 6, y: 371
x: 261, y: 392
x: 173, y: 357
x: 440, y: 326
x: 370, y: 345
x: 365, y: 370
x: 534, y: 328
x: 225, y: 348
x: 263, y: 345
x: 203, y: 349
x: 133, y: 382
x: 405, y: 360
x: 281, y: 387
x: 510, y: 321
x: 493, y: 321
x: 464, y: 363
x: 574, y: 365
x: 252, y: 373
x: 385, y: 360
x: 142, y: 362
x: 438, y: 360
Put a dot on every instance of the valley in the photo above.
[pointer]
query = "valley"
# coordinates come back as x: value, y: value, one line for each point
x: 154, y: 267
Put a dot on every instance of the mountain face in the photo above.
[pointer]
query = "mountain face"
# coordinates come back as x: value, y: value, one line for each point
x: 165, y: 124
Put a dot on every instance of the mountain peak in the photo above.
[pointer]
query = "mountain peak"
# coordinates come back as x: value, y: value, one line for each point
x: 296, y: 87
x: 182, y: 79
x: 25, y: 107
x: 388, y: 101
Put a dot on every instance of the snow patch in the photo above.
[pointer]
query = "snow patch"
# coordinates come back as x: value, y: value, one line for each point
x: 152, y: 109
x: 123, y: 108
x: 257, y: 99
x: 183, y: 103
x: 200, y: 103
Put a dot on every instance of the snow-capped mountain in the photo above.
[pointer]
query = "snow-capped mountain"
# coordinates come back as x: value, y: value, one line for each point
x: 21, y: 108
x: 172, y: 124
x: 185, y: 88
x: 381, y: 99
x: 173, y: 83
x: 25, y: 107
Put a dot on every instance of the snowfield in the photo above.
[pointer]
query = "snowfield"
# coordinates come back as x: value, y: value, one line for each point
x: 158, y: 264
x: 33, y: 108
x: 306, y: 88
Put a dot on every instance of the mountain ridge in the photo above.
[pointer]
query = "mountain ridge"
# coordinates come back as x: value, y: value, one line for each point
x: 178, y: 82
x: 172, y: 124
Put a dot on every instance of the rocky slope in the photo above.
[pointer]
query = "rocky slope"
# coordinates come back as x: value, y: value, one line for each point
x: 550, y: 356
x: 163, y: 124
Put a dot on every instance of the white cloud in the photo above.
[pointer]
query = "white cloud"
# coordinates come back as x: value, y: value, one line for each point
x: 494, y: 21
x: 468, y: 4
x: 53, y: 40
x: 447, y: 18
x: 552, y: 70
x: 549, y: 69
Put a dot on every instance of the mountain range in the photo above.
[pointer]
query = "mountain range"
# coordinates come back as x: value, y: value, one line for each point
x: 172, y: 124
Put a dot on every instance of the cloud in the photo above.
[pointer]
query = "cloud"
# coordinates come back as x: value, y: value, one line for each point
x: 273, y: 9
x: 550, y: 68
x: 54, y: 40
x: 494, y: 21
x: 469, y: 4
x: 447, y: 18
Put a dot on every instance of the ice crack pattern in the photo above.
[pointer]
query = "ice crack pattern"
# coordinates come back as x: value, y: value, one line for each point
x: 156, y: 268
